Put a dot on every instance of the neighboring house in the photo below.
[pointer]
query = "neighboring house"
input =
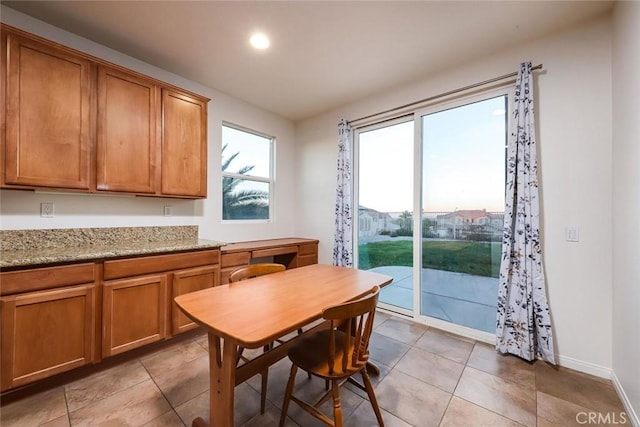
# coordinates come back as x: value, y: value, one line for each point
x: 470, y: 225
x: 372, y: 222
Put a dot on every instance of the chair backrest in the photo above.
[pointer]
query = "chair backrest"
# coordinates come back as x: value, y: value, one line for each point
x: 255, y: 270
x: 351, y: 322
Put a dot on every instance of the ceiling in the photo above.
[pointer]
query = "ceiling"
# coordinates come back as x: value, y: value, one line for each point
x: 322, y: 55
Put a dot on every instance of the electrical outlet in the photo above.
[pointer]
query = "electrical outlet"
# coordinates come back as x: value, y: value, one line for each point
x: 168, y: 211
x: 47, y: 209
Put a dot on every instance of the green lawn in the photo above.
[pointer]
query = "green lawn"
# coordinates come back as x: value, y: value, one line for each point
x: 477, y: 258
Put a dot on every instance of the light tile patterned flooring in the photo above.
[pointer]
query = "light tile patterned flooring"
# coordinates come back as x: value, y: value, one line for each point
x: 429, y: 378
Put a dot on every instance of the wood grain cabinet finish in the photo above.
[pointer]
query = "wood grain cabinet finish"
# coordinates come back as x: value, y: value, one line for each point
x: 75, y: 122
x: 186, y: 281
x: 291, y: 252
x: 48, y: 116
x: 230, y: 262
x: 128, y: 143
x: 138, y: 293
x: 46, y: 333
x: 184, y: 145
x: 307, y: 254
x: 134, y: 313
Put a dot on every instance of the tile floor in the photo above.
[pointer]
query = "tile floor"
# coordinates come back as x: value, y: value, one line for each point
x: 429, y: 378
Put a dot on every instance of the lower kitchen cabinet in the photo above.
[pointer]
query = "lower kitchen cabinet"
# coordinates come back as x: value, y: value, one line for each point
x: 307, y: 254
x: 47, y: 332
x: 186, y: 281
x: 231, y: 262
x: 134, y: 313
x: 55, y: 319
x: 137, y: 296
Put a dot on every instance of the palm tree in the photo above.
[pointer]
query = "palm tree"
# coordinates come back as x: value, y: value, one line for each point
x: 241, y: 204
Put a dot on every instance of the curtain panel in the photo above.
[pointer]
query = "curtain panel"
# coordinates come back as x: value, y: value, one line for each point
x: 523, y: 317
x: 343, y: 235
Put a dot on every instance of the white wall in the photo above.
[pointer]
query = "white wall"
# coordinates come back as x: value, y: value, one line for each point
x: 574, y: 135
x: 626, y: 200
x: 21, y: 209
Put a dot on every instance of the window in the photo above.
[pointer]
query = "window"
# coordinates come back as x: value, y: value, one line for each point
x: 247, y: 174
x: 437, y: 177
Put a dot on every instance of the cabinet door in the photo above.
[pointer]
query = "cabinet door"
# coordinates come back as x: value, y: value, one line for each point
x: 184, y: 282
x: 184, y: 145
x: 128, y: 136
x: 46, y: 332
x: 134, y: 313
x: 48, y: 117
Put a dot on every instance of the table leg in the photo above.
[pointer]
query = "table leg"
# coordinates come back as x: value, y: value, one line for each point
x: 222, y: 372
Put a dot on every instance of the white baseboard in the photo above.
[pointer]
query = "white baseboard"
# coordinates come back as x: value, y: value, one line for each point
x: 586, y: 367
x: 632, y: 416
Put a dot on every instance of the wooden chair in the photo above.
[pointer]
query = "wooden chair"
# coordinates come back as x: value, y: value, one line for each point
x: 249, y: 272
x: 254, y: 270
x: 335, y: 355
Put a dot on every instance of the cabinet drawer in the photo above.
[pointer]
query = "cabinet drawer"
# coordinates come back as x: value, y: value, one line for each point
x: 159, y: 263
x: 307, y: 260
x: 310, y: 249
x: 275, y: 251
x: 45, y: 278
x: 232, y: 260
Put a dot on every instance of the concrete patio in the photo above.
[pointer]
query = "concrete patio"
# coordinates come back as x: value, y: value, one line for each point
x: 459, y: 298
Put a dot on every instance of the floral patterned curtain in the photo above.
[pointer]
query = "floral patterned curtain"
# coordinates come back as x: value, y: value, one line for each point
x: 343, y: 245
x: 523, y: 318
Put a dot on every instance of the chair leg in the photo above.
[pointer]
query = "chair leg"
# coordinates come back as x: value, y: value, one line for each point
x: 372, y: 396
x: 337, y: 408
x: 287, y: 394
x: 240, y: 351
x: 263, y: 390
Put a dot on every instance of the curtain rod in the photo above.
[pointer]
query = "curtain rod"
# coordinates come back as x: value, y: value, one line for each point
x: 451, y: 92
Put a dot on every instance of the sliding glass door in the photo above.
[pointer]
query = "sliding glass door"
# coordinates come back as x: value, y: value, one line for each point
x: 385, y: 207
x: 430, y: 193
x: 463, y: 178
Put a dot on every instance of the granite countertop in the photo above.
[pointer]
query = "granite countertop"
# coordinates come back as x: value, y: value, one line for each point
x: 22, y: 248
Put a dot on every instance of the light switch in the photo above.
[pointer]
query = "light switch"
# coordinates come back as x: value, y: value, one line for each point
x: 572, y: 234
x: 168, y: 210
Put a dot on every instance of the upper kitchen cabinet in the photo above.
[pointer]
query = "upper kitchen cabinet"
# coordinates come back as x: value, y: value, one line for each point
x: 128, y: 137
x: 184, y: 145
x: 48, y: 115
x: 74, y: 122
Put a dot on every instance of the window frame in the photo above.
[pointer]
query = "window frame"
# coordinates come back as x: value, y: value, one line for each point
x: 270, y: 181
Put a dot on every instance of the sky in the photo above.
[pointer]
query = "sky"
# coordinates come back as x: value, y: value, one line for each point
x: 463, y: 161
x: 253, y: 151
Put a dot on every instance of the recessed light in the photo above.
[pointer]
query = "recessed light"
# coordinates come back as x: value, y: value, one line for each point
x: 259, y: 41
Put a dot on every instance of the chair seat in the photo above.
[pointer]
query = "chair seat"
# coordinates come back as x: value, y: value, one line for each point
x: 310, y: 354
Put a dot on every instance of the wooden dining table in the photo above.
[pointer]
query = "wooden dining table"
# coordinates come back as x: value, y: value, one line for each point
x: 255, y: 312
